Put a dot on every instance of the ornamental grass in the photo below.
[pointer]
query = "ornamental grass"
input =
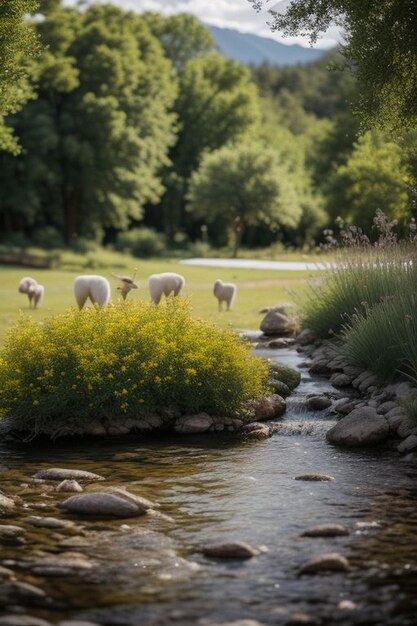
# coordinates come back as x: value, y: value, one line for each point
x: 127, y: 360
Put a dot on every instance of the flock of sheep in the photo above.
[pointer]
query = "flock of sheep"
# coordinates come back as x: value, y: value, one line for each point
x: 97, y: 289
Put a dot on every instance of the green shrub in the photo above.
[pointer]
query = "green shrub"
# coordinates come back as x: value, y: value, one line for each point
x: 48, y: 237
x: 141, y: 242
x: 359, y: 279
x: 126, y: 360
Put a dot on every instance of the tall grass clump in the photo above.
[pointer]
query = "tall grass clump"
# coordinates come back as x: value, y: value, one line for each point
x: 385, y: 338
x: 127, y: 360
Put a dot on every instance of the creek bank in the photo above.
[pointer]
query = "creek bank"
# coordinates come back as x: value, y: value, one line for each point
x: 371, y: 413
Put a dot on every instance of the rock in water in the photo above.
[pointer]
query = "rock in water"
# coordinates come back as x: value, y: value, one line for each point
x: 276, y: 323
x: 194, y: 423
x: 314, y: 477
x: 69, y: 485
x: 256, y: 430
x: 326, y: 530
x: 318, y: 403
x: 230, y: 550
x: 330, y: 562
x: 58, y: 473
x: 5, y: 503
x: 363, y: 426
x: 22, y: 620
x: 102, y: 504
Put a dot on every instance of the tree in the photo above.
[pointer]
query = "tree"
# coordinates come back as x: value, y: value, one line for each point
x: 18, y: 43
x: 381, y: 48
x: 374, y: 177
x: 243, y: 184
x: 98, y: 135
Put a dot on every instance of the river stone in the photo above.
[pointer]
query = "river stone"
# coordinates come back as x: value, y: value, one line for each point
x: 58, y: 473
x: 276, y: 323
x: 69, y: 485
x: 306, y: 337
x: 326, y: 530
x: 340, y: 380
x: 268, y: 408
x: 10, y: 531
x: 319, y: 367
x: 103, y: 505
x: 199, y: 423
x: 5, y: 574
x: 345, y: 406
x: 363, y: 426
x: 314, y: 477
x: 329, y: 562
x: 256, y: 430
x: 144, y: 503
x: 22, y: 620
x: 410, y: 443
x: 18, y: 592
x: 277, y: 344
x: 279, y: 387
x: 49, y: 522
x: 387, y: 406
x: 318, y: 403
x: 230, y: 550
x: 6, y: 504
x: 77, y: 623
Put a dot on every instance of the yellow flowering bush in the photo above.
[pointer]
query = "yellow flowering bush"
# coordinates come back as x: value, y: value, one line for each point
x: 129, y: 359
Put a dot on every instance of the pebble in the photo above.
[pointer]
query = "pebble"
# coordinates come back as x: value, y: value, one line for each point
x: 326, y: 530
x: 102, y: 504
x: 58, y: 473
x: 69, y: 485
x: 49, y: 522
x: 314, y: 477
x: 10, y: 531
x: 346, y: 605
x: 329, y: 562
x: 5, y: 503
x: 230, y: 550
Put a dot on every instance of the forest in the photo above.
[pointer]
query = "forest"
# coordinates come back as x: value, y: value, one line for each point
x: 132, y: 131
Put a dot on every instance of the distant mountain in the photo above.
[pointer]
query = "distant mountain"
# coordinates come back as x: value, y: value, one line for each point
x: 254, y: 50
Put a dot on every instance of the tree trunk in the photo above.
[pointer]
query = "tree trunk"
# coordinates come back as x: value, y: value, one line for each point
x: 71, y: 214
x: 238, y: 233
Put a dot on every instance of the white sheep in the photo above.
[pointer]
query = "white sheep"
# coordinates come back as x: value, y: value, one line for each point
x: 97, y: 288
x: 225, y: 292
x: 35, y: 294
x: 33, y: 290
x: 165, y: 283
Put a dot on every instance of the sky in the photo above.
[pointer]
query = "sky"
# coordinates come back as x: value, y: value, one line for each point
x: 235, y: 14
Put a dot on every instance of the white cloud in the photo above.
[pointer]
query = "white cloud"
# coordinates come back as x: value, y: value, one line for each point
x: 235, y: 14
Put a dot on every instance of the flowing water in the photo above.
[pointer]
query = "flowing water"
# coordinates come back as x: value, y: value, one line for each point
x: 148, y: 571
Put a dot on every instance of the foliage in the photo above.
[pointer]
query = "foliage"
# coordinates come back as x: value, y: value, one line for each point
x: 95, y: 139
x: 141, y: 242
x: 128, y: 359
x: 242, y: 184
x: 18, y: 43
x: 380, y: 45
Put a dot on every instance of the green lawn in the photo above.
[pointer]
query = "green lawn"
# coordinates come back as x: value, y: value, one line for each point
x: 256, y: 288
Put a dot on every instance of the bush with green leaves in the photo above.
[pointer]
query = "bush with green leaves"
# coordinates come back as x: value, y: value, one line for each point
x: 127, y: 360
x: 141, y: 242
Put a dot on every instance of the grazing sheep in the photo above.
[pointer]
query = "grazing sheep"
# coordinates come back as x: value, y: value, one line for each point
x: 225, y: 292
x: 34, y: 291
x: 128, y: 284
x: 35, y: 294
x: 165, y: 283
x: 97, y: 288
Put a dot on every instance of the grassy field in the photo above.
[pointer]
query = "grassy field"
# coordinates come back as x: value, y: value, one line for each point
x: 256, y: 288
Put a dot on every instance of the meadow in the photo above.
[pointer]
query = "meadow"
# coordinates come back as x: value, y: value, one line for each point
x: 256, y: 288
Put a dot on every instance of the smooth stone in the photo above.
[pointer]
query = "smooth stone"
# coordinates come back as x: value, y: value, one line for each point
x: 133, y: 497
x: 69, y: 485
x: 306, y: 337
x: 268, y: 408
x: 199, y: 423
x: 10, y: 531
x: 384, y: 407
x: 22, y: 592
x: 277, y: 344
x: 77, y: 623
x: 230, y: 550
x: 329, y: 562
x: 314, y: 477
x: 276, y: 323
x: 340, y: 380
x: 58, y: 473
x: 102, y: 504
x: 49, y: 522
x: 279, y: 387
x: 319, y: 367
x: 410, y: 443
x: 345, y: 406
x: 6, y: 503
x: 318, y: 403
x: 6, y: 574
x: 363, y: 426
x: 22, y: 620
x: 256, y: 430
x: 346, y: 605
x: 326, y: 530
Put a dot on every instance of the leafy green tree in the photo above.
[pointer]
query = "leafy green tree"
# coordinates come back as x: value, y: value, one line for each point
x: 243, y: 184
x: 98, y: 135
x: 374, y: 177
x: 381, y: 47
x: 18, y: 43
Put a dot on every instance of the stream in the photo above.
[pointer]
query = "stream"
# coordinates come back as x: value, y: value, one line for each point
x: 148, y: 571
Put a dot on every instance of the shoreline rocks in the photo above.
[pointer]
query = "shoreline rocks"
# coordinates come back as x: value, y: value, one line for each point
x: 103, y: 504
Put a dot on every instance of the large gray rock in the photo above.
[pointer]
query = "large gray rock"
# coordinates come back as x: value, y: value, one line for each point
x: 326, y: 530
x: 277, y: 323
x: 101, y: 504
x: 59, y: 473
x: 318, y: 403
x: 230, y: 550
x: 199, y: 423
x: 306, y: 337
x: 256, y: 430
x: 360, y: 428
x: 268, y: 408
